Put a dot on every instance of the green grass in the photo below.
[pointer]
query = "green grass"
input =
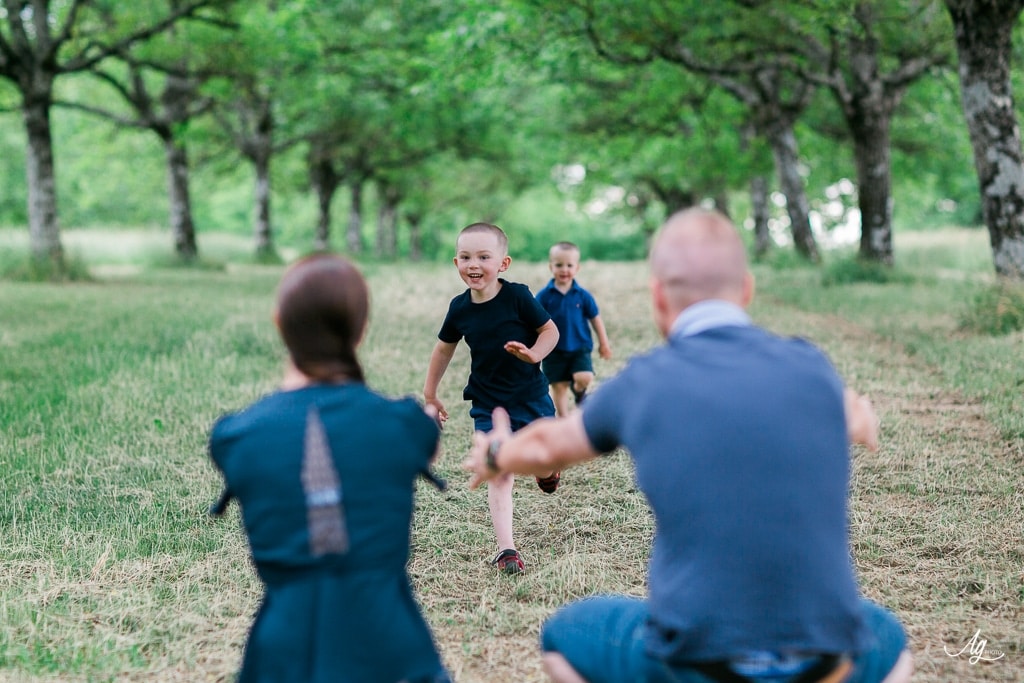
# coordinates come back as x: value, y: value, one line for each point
x: 111, y: 570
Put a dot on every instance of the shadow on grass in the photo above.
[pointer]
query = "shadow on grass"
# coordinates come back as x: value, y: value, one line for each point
x: 27, y: 268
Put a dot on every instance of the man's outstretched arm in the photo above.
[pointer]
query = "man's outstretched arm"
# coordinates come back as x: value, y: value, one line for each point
x: 540, y: 448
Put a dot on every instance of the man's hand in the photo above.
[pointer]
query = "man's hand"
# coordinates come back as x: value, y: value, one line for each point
x: 862, y: 423
x: 476, y: 461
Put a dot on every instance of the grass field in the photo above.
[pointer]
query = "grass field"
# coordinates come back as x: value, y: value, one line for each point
x: 110, y: 569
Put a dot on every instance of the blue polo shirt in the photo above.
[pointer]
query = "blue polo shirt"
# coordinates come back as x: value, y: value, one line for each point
x: 705, y: 315
x: 572, y: 313
x: 739, y: 442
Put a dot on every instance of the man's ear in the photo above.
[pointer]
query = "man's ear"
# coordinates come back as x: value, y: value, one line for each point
x: 659, y: 301
x: 748, y: 288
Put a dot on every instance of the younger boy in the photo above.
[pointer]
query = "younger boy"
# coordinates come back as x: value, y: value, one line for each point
x: 508, y: 333
x: 571, y: 307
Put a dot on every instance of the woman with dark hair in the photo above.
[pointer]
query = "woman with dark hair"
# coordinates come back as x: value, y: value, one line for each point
x: 324, y: 471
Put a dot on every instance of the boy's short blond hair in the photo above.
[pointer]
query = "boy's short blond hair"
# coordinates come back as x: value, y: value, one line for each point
x: 487, y: 227
x: 562, y: 246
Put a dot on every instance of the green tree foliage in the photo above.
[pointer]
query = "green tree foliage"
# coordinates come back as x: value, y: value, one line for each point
x: 718, y: 44
x: 417, y: 117
x: 41, y: 41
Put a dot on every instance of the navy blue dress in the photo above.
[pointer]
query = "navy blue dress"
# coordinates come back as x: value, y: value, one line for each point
x: 325, y: 479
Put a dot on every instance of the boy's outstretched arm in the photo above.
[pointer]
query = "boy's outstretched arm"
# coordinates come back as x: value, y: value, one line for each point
x: 604, y: 347
x: 440, y: 357
x: 547, y: 337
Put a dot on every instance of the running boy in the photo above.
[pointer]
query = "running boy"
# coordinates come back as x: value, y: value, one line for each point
x: 508, y: 333
x: 569, y: 366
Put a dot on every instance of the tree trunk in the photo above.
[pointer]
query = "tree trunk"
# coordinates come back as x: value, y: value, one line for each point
x: 387, y: 224
x: 983, y: 33
x: 44, y: 231
x: 759, y: 209
x: 177, y: 93
x: 867, y: 106
x: 415, y: 236
x: 721, y: 200
x: 784, y: 149
x: 325, y: 183
x: 354, y: 233
x: 260, y: 149
x: 871, y: 144
x: 673, y: 197
x: 182, y: 227
x: 262, y: 232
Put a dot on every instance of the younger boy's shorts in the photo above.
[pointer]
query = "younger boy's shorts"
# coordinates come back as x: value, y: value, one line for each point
x: 560, y: 366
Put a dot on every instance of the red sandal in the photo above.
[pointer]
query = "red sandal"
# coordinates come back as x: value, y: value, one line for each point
x: 549, y: 484
x: 509, y: 561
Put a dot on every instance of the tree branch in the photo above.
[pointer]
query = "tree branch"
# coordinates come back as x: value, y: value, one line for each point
x: 103, y: 113
x: 108, y: 78
x: 7, y: 58
x: 69, y: 23
x: 594, y: 37
x: 19, y: 38
x: 96, y: 52
x: 912, y: 69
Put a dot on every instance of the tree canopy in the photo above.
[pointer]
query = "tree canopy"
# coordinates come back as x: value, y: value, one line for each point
x: 419, y: 115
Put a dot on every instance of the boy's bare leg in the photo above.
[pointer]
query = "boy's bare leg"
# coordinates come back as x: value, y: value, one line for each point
x: 499, y: 500
x: 560, y: 397
x: 559, y: 670
x: 581, y: 381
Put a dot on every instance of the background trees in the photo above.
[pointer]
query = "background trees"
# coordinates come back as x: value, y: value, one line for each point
x: 41, y: 41
x: 407, y: 118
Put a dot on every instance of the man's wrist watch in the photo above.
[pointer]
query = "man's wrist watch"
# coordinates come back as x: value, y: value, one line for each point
x: 492, y: 453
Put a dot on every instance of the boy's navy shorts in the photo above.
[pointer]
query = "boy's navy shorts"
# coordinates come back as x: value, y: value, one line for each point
x: 519, y: 415
x: 560, y: 366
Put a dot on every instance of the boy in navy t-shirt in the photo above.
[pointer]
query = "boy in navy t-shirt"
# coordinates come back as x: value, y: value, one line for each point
x: 508, y: 333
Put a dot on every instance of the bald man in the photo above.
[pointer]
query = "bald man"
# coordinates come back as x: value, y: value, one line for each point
x: 740, y: 441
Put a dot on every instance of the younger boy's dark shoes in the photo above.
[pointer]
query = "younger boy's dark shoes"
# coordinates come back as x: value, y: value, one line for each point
x: 509, y: 561
x: 578, y: 395
x: 549, y: 484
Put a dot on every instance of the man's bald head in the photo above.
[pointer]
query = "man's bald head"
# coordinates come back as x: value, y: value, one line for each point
x: 698, y: 255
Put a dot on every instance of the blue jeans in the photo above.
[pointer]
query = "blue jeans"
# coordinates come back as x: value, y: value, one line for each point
x: 602, y: 638
x: 520, y: 414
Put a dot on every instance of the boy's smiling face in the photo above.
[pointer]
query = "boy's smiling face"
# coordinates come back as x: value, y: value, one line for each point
x: 480, y: 257
x: 564, y: 264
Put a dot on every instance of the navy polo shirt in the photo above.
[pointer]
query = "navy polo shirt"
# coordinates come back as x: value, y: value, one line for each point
x: 572, y: 313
